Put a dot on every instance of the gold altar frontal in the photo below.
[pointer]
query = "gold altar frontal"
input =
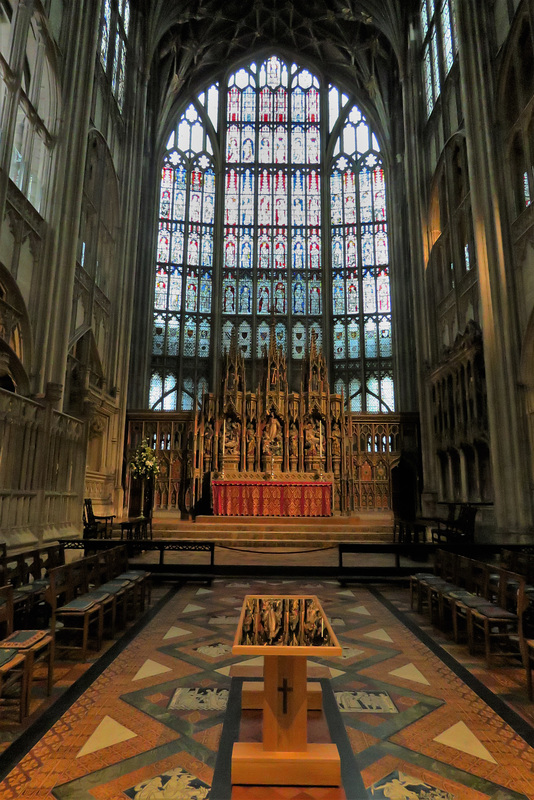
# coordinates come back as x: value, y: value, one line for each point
x: 285, y: 630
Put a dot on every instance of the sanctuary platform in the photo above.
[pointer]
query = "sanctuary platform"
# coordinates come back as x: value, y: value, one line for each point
x: 294, y: 532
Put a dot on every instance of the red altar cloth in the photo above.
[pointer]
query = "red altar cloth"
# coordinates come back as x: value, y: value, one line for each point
x: 272, y: 498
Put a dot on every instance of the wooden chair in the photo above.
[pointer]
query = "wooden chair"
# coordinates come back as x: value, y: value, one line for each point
x: 19, y: 652
x: 97, y: 523
x: 477, y: 596
x: 459, y: 531
x: 462, y: 587
x: 526, y: 635
x: 80, y: 616
x: 498, y: 622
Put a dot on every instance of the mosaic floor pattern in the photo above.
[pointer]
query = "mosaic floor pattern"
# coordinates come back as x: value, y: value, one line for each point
x: 158, y: 722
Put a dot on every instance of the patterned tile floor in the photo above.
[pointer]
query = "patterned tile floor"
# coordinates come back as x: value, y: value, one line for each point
x: 413, y: 714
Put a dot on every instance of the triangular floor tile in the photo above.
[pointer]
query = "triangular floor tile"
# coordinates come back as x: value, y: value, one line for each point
x: 460, y: 737
x: 360, y: 610
x: 334, y: 673
x: 346, y: 593
x: 204, y: 591
x: 108, y: 732
x: 410, y: 673
x: 380, y: 634
x: 249, y: 662
x: 149, y: 669
x: 191, y: 607
x: 174, y: 631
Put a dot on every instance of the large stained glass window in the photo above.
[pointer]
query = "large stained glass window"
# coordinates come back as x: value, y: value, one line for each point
x: 259, y: 232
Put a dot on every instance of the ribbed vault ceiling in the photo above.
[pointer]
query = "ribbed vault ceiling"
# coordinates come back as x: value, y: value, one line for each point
x: 358, y: 43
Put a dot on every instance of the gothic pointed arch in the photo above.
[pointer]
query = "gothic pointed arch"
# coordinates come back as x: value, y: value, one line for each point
x: 272, y: 205
x: 15, y: 333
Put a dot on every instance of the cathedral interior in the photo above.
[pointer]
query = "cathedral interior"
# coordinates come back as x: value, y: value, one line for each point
x: 268, y: 263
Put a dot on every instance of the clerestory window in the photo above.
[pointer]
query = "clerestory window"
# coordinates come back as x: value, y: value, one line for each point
x: 114, y: 27
x: 272, y: 216
x: 440, y: 46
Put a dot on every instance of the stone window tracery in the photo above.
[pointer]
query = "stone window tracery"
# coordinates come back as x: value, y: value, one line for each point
x: 285, y: 253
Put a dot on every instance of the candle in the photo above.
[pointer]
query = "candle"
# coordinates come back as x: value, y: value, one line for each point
x: 320, y: 440
x: 224, y: 435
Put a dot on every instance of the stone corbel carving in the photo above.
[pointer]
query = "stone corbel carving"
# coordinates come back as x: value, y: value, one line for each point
x: 97, y: 425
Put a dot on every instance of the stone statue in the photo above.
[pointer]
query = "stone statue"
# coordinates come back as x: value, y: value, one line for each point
x: 272, y: 439
x: 293, y: 440
x: 231, y: 439
x: 312, y: 437
x: 336, y: 440
x: 251, y: 442
x: 208, y: 442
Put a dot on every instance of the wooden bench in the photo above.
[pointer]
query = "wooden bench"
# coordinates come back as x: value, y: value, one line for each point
x: 27, y: 572
x: 85, y: 593
x: 19, y: 652
x: 483, y: 597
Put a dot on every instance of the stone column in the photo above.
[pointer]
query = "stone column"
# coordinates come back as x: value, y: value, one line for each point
x: 509, y: 457
x: 415, y: 198
x: 54, y: 328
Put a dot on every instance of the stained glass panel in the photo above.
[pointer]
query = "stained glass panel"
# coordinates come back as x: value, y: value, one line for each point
x: 173, y: 335
x: 446, y: 32
x: 387, y: 393
x: 245, y: 339
x: 340, y: 348
x: 355, y: 395
x: 190, y: 336
x: 280, y: 334
x: 299, y: 341
x: 384, y: 327
x: 358, y: 218
x: 227, y: 331
x: 263, y: 339
x: 188, y: 392
x: 158, y: 336
x: 155, y: 391
x: 372, y: 397
x: 104, y: 33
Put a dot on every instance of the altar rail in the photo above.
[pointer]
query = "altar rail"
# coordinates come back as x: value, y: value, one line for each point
x: 42, y: 461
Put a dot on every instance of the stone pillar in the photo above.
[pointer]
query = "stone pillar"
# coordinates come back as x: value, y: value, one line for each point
x: 54, y: 331
x: 415, y: 199
x: 509, y: 457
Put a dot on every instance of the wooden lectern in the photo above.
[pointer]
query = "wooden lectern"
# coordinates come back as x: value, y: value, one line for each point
x: 285, y: 630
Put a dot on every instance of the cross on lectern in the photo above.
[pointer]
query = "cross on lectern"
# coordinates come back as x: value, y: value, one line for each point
x: 284, y: 688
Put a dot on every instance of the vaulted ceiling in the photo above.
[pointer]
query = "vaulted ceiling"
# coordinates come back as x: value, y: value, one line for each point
x: 359, y: 44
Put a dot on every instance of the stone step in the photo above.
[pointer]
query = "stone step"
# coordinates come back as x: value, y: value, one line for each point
x: 371, y: 518
x: 299, y: 539
x: 189, y: 533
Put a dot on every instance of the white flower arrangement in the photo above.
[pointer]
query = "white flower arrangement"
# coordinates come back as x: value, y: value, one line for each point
x: 144, y: 463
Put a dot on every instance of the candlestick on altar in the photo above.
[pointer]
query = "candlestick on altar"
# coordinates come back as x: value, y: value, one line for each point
x: 223, y: 438
x: 321, y: 446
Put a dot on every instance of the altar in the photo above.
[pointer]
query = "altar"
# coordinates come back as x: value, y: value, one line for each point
x: 282, y: 495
